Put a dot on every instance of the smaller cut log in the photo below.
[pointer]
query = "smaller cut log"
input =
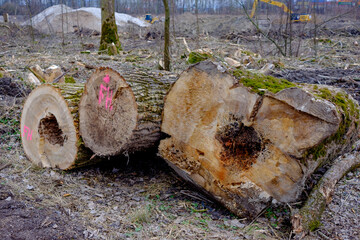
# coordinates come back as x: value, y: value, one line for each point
x: 118, y: 115
x: 308, y: 217
x: 50, y: 129
x: 52, y: 74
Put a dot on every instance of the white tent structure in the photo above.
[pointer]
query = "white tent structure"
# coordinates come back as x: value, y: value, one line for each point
x: 58, y: 18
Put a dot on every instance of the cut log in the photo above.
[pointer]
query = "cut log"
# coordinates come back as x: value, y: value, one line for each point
x: 251, y: 139
x: 308, y: 217
x: 50, y: 128
x: 119, y: 116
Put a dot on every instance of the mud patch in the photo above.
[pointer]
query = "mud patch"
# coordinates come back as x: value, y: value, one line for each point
x: 21, y: 220
x: 8, y: 87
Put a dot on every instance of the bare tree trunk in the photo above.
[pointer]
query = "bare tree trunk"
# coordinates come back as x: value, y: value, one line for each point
x: 62, y: 23
x: 109, y: 34
x: 173, y: 16
x: 6, y: 17
x: 197, y: 23
x: 31, y: 24
x: 167, y: 36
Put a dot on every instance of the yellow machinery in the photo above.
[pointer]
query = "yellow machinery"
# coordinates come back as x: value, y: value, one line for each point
x: 294, y: 17
x: 150, y: 19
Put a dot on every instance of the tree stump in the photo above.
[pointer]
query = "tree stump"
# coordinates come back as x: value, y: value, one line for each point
x: 252, y: 139
x: 119, y: 116
x: 50, y: 127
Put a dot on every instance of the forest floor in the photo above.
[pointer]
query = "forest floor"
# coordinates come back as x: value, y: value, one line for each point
x: 140, y: 197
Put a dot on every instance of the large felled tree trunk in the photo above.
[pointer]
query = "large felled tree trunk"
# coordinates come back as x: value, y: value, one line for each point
x: 119, y: 116
x: 248, y: 139
x: 109, y: 34
x: 50, y: 127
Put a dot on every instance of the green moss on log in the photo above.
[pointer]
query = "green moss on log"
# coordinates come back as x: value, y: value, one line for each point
x: 259, y: 83
x: 132, y: 58
x: 69, y: 79
x: 347, y: 108
x: 195, y: 57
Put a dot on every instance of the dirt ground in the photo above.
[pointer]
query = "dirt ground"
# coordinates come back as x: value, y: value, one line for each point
x: 139, y: 196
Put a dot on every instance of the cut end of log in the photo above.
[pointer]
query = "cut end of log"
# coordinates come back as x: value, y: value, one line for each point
x: 108, y: 113
x: 48, y: 133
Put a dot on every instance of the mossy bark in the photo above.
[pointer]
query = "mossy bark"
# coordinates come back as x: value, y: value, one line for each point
x: 109, y: 33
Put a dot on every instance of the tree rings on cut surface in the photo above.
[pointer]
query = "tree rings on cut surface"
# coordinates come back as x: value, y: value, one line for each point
x: 108, y: 113
x: 49, y: 131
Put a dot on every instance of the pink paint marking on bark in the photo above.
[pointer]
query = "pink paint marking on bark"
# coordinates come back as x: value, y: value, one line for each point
x: 101, y: 95
x: 109, y: 99
x: 106, y: 78
x: 29, y: 133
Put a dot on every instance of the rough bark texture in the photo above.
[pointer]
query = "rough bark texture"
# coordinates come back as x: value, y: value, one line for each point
x: 254, y: 138
x: 109, y: 34
x: 50, y: 127
x: 308, y: 217
x: 117, y: 115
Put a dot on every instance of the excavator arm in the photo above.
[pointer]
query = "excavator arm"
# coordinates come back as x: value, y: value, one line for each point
x: 275, y: 3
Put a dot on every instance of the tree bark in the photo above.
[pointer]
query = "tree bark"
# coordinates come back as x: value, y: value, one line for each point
x: 308, y: 217
x: 50, y: 127
x: 253, y: 139
x: 109, y: 35
x: 119, y: 116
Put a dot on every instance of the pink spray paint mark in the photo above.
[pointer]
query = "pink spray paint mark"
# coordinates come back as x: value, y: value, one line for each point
x: 106, y: 78
x: 101, y: 95
x: 109, y: 100
x: 29, y: 133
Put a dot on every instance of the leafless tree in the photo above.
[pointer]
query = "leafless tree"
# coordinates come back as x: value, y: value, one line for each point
x: 167, y: 36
